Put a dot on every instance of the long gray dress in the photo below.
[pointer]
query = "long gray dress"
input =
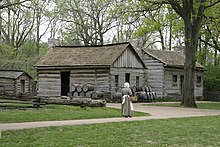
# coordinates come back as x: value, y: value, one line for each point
x: 126, y: 106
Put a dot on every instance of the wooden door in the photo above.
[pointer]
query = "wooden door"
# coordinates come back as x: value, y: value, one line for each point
x: 65, y: 83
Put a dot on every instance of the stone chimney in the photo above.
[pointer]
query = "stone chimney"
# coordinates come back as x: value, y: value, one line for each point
x: 180, y: 49
x: 52, y: 42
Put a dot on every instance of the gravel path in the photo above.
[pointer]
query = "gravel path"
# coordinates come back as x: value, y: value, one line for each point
x: 156, y: 112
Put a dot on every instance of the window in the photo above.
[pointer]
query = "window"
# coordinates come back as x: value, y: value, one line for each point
x: 127, y: 77
x: 116, y: 81
x: 198, y: 81
x: 137, y: 81
x: 174, y: 82
x: 22, y: 86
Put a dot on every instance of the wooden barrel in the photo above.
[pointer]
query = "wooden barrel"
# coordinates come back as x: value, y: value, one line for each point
x: 72, y: 88
x: 148, y: 89
x: 97, y: 94
x: 89, y: 94
x: 70, y: 94
x: 75, y: 94
x: 148, y: 95
x: 136, y: 89
x: 79, y: 88
x: 82, y: 93
x: 141, y: 95
x: 87, y: 88
x: 117, y: 96
x: 154, y: 95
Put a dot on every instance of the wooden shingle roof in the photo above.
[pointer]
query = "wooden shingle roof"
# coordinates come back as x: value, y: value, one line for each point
x: 82, y: 55
x: 12, y: 74
x: 169, y: 58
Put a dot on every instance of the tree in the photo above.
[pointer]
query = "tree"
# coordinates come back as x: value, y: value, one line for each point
x: 192, y: 13
x: 16, y: 24
x: 7, y: 4
x: 86, y: 21
x: 210, y: 35
x: 44, y: 18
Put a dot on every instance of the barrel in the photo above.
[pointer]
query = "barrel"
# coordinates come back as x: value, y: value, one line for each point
x: 72, y: 88
x: 70, y: 94
x: 148, y: 89
x: 87, y: 88
x: 141, y: 96
x: 154, y: 95
x: 117, y: 96
x: 97, y: 94
x: 82, y: 93
x: 89, y: 94
x: 136, y: 89
x: 78, y: 88
x: 149, y: 96
x: 75, y: 94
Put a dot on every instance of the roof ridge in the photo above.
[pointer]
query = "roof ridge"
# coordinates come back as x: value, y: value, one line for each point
x: 11, y: 70
x: 94, y: 45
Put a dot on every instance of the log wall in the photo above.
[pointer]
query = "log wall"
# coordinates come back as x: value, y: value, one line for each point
x: 141, y: 73
x: 49, y: 83
x: 18, y: 86
x: 171, y: 89
x: 155, y: 74
x: 9, y: 86
x: 99, y: 78
x: 13, y: 86
x: 128, y: 59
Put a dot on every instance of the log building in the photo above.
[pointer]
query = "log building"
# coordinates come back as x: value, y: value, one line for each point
x: 166, y: 73
x: 106, y: 67
x: 13, y: 82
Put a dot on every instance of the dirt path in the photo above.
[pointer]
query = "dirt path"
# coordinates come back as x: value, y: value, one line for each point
x: 156, y: 112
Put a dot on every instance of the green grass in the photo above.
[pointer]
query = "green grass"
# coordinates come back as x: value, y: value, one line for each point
x: 185, y: 132
x: 17, y: 113
x: 204, y: 105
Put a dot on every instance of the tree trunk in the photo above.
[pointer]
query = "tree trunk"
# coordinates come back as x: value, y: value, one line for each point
x: 162, y: 39
x: 191, y: 38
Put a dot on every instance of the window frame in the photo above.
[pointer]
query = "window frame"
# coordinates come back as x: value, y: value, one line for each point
x: 174, y: 80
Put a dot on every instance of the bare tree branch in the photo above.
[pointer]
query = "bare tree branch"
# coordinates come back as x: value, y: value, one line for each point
x: 12, y: 4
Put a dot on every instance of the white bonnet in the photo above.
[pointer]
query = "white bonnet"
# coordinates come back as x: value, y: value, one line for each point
x: 126, y: 85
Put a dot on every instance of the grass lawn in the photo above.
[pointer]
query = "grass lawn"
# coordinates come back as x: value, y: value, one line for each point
x: 185, y: 132
x: 203, y: 105
x: 17, y: 113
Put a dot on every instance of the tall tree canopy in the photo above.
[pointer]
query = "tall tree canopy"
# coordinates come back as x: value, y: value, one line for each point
x: 192, y: 14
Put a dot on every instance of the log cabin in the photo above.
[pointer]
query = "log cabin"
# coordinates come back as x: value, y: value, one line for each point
x: 166, y: 73
x: 106, y: 67
x: 14, y: 82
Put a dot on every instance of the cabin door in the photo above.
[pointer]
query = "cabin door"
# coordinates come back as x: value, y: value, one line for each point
x: 181, y: 84
x: 127, y: 77
x: 65, y: 83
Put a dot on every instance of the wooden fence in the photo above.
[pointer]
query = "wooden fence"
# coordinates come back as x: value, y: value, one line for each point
x: 212, y: 95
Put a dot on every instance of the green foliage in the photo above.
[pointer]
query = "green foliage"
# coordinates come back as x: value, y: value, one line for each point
x: 212, y: 78
x: 22, y: 58
x: 6, y: 51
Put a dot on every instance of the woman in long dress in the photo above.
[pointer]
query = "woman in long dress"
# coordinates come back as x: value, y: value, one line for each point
x: 127, y: 106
